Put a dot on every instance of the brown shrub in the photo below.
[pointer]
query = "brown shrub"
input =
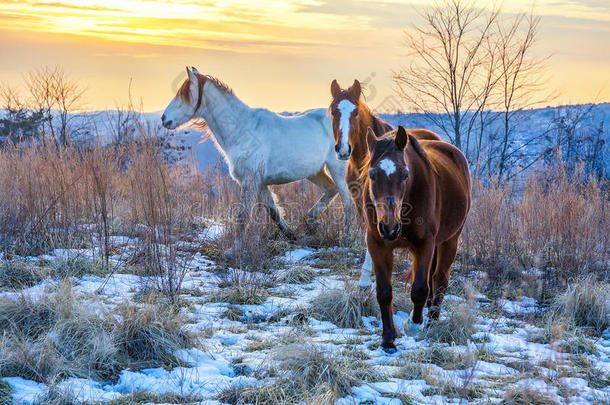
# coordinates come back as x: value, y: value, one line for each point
x: 553, y: 221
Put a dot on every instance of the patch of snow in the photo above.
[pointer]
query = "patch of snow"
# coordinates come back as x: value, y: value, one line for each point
x: 293, y: 256
x: 25, y: 391
x: 525, y: 305
x: 86, y: 390
x: 213, y: 231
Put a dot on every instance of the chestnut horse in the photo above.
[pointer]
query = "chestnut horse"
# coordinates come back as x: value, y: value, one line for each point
x: 350, y: 120
x: 417, y: 197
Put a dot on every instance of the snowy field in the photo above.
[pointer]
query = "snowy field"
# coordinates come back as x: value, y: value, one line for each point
x: 238, y: 343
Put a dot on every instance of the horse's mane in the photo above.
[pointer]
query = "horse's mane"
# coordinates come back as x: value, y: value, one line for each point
x: 379, y: 127
x: 218, y: 83
x: 420, y: 150
x: 185, y: 93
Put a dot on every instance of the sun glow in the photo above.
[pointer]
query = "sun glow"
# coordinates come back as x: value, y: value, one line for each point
x: 268, y: 44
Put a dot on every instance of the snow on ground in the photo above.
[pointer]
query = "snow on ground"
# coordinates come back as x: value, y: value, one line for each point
x: 209, y: 369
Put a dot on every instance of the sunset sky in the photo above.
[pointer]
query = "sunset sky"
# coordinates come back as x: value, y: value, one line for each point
x: 276, y: 54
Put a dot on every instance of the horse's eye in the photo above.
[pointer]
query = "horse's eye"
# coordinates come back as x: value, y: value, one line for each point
x: 372, y: 172
x: 405, y: 173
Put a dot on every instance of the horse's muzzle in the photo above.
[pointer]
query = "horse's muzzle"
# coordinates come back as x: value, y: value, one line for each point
x: 343, y: 155
x: 389, y: 235
x: 166, y: 124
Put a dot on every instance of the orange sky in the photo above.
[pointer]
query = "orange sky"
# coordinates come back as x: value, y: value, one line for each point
x: 276, y: 54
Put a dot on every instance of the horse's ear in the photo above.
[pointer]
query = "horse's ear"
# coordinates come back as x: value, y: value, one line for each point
x: 335, y: 89
x: 401, y: 138
x: 371, y: 139
x: 355, y: 90
x: 192, y: 74
x: 188, y: 71
x: 194, y: 70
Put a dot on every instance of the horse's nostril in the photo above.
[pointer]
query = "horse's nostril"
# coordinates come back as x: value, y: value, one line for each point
x: 349, y: 150
x: 395, y: 232
x: 337, y: 147
x: 169, y: 123
x: 163, y: 118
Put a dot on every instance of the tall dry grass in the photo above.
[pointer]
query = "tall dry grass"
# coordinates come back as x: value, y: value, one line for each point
x: 78, y: 197
x: 555, y: 222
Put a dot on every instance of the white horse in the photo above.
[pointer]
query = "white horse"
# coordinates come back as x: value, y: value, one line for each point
x: 263, y: 148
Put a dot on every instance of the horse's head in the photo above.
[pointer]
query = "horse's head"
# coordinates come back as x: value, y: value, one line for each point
x: 186, y: 102
x: 388, y: 179
x: 344, y: 114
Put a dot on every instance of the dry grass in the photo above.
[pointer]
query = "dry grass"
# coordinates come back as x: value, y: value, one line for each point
x: 18, y: 275
x: 304, y: 373
x: 239, y: 287
x: 55, y: 336
x: 456, y: 324
x: 526, y: 396
x: 554, y: 222
x: 585, y: 304
x: 344, y: 307
x: 5, y: 393
x: 299, y: 275
x: 582, y: 310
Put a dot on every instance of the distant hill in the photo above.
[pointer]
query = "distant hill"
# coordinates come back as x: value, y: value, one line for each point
x: 189, y: 143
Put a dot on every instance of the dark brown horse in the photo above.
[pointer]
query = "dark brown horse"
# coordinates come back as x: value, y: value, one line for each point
x: 417, y: 196
x: 350, y: 120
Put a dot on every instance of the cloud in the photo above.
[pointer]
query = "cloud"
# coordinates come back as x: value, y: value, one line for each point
x: 70, y: 6
x: 380, y: 13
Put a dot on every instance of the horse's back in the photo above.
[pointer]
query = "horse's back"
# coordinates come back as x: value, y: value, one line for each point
x: 453, y: 184
x: 294, y: 146
x: 447, y: 157
x: 424, y: 134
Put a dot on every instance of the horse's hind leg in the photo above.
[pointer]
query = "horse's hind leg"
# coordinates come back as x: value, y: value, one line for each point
x: 431, y: 278
x: 422, y: 259
x: 446, y: 253
x: 266, y: 197
x: 329, y: 190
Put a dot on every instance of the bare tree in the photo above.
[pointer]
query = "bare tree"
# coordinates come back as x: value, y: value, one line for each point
x: 450, y: 71
x: 53, y: 92
x: 521, y: 79
x: 468, y: 62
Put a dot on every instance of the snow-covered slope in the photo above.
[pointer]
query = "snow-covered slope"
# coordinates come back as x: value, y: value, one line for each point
x: 192, y: 143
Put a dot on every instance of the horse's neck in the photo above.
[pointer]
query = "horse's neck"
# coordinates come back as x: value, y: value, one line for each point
x: 360, y: 153
x: 224, y: 113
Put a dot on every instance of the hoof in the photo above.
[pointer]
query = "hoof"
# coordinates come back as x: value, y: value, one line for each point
x: 365, y: 289
x: 389, y: 348
x: 412, y: 328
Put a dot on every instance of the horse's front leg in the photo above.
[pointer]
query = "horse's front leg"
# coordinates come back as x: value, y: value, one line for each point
x: 247, y: 197
x: 383, y: 263
x: 422, y: 260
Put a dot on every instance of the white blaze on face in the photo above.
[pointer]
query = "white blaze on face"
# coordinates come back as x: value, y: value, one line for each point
x: 388, y: 166
x: 346, y: 108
